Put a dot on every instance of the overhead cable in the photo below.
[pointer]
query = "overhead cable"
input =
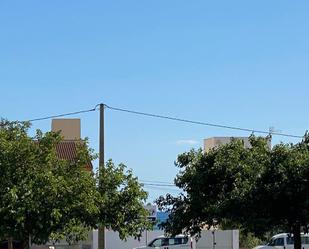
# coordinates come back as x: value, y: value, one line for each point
x: 202, y: 123
x: 160, y: 182
x: 159, y: 185
x: 164, y: 189
x: 170, y: 118
x: 61, y: 115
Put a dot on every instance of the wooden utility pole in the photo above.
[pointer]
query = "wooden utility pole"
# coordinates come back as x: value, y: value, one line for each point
x: 101, y: 232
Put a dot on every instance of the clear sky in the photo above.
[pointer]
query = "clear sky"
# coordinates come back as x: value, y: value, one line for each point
x: 240, y: 63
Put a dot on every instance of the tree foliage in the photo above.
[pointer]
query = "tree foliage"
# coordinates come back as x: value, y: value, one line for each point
x: 258, y: 189
x: 46, y: 198
x: 122, y: 201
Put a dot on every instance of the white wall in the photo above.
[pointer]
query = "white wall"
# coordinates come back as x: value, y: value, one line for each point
x: 114, y: 242
x: 221, y: 239
x: 218, y: 239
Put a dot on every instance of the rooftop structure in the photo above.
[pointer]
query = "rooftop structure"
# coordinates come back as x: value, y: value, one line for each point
x: 70, y: 130
x: 214, y: 142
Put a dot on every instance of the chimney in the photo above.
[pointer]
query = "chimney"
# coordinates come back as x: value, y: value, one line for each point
x: 69, y: 128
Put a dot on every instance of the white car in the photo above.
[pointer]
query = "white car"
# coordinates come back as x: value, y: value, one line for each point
x: 284, y: 241
x: 162, y: 242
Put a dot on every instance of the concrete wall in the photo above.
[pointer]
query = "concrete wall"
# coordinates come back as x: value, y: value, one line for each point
x: 64, y: 245
x: 70, y: 128
x: 213, y: 142
x: 114, y: 242
x: 219, y: 239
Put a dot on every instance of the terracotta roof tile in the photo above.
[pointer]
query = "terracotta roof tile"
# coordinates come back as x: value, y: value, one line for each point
x: 67, y: 150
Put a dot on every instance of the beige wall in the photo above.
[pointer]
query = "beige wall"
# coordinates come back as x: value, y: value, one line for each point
x: 70, y: 128
x: 212, y: 142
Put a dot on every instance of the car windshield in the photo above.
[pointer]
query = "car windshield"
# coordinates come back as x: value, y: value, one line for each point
x: 270, y: 242
x: 276, y: 242
x: 168, y: 241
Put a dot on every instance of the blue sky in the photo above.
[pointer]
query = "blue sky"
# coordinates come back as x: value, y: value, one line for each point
x: 239, y: 63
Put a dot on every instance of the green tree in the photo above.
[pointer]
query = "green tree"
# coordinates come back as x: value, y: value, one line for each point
x: 41, y: 195
x: 257, y: 189
x: 284, y: 185
x: 45, y: 198
x: 122, y: 201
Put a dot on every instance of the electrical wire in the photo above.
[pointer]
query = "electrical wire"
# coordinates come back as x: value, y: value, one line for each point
x: 62, y: 115
x: 164, y: 189
x: 201, y: 123
x: 159, y: 185
x: 160, y: 182
x: 169, y: 118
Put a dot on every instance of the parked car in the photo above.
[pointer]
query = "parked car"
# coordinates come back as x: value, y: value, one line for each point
x: 284, y: 241
x: 162, y: 242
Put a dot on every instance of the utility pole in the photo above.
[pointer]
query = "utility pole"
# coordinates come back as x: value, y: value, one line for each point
x: 101, y: 231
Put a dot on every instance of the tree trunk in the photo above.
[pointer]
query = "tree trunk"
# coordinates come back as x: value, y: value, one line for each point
x: 25, y: 244
x: 296, y: 234
x: 10, y: 243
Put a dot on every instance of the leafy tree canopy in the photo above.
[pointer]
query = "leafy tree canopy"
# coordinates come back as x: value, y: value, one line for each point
x: 46, y: 198
x: 258, y: 188
x: 122, y: 201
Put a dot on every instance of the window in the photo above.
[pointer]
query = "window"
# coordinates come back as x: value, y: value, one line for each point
x: 159, y: 242
x: 156, y: 242
x: 305, y: 240
x: 178, y: 241
x: 279, y: 242
x: 271, y: 242
x: 276, y: 242
x: 168, y: 242
x: 290, y: 240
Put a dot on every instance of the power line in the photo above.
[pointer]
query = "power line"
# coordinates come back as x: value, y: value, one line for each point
x: 164, y: 189
x: 159, y: 185
x: 169, y: 118
x: 201, y: 123
x: 160, y: 182
x: 61, y: 115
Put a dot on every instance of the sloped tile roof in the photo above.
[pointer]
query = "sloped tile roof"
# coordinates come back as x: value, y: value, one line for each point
x: 67, y: 150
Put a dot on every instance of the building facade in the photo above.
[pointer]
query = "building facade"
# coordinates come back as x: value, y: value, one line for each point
x: 214, y: 142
